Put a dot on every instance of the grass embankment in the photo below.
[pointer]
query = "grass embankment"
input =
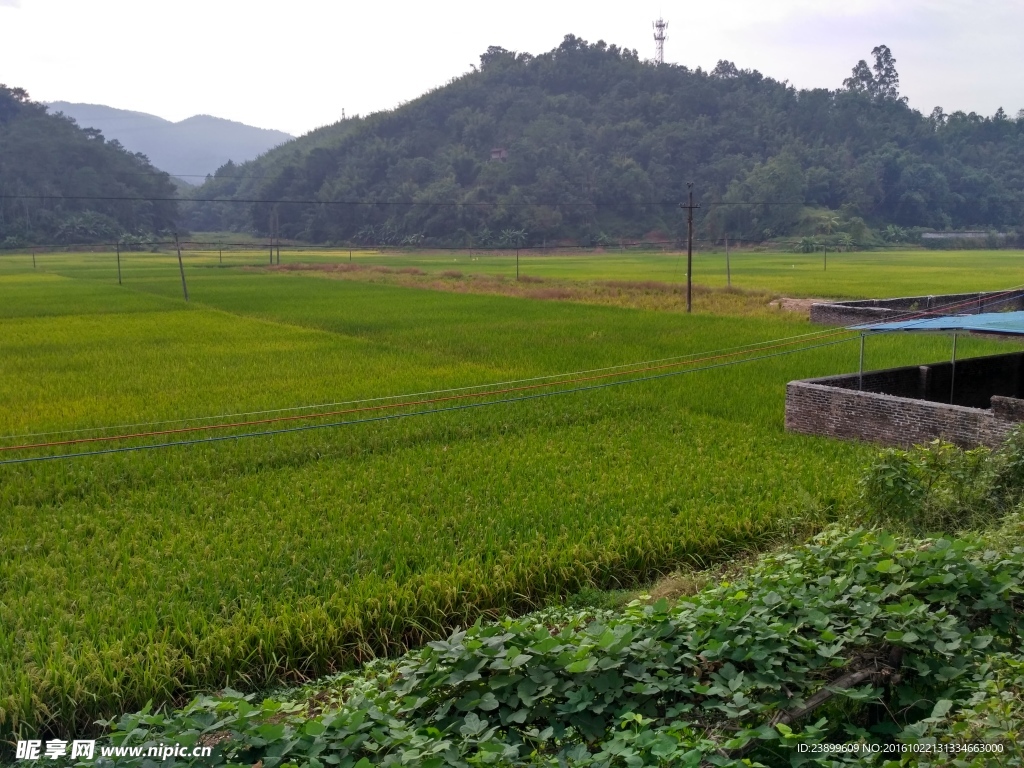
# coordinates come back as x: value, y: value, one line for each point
x: 148, y: 575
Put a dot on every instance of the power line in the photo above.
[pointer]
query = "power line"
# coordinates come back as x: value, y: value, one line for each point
x: 771, y: 344
x: 255, y: 246
x: 599, y: 374
x: 400, y: 203
x: 752, y: 347
x: 388, y: 417
x: 406, y: 404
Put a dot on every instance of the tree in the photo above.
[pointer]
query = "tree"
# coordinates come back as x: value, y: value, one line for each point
x: 592, y: 140
x: 808, y: 245
x: 937, y: 118
x: 894, y: 234
x: 886, y: 79
x: 59, y: 182
x: 881, y: 81
x: 861, y: 80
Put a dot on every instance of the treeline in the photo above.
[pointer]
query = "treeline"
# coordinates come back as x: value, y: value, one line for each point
x: 63, y: 184
x: 591, y: 144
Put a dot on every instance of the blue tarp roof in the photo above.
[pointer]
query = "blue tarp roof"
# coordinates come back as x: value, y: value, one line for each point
x: 1011, y: 323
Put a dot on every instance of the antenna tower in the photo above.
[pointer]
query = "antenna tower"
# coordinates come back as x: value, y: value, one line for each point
x: 659, y: 38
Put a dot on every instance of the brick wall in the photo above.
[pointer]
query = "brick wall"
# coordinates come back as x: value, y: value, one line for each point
x: 976, y: 380
x: 882, y: 310
x: 907, y: 406
x: 816, y: 409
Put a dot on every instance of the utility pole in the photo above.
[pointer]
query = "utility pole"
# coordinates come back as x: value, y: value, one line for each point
x: 277, y: 234
x: 181, y: 267
x: 728, y: 270
x: 689, y: 247
x: 118, y: 246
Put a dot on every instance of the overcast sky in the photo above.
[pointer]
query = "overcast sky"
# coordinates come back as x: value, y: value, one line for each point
x: 295, y: 65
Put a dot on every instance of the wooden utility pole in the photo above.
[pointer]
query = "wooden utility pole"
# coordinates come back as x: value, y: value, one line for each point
x: 517, y: 263
x: 33, y: 258
x: 728, y: 269
x: 826, y: 259
x: 689, y: 247
x: 181, y: 267
x: 118, y: 246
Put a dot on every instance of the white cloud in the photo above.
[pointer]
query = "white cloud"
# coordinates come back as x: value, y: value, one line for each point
x: 10, y: 3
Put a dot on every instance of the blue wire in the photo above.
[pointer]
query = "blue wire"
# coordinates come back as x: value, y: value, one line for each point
x: 523, y: 398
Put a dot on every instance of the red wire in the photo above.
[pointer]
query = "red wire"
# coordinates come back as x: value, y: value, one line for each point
x: 323, y: 414
x: 404, y: 404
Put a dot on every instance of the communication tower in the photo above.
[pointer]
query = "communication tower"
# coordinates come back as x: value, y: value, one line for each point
x: 659, y: 38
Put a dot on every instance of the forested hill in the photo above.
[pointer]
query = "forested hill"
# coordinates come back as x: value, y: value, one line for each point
x: 600, y: 145
x: 63, y: 184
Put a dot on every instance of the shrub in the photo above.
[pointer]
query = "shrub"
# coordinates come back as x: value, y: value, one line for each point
x: 939, y: 487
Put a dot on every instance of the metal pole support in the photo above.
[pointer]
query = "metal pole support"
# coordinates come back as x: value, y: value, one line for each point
x: 860, y: 374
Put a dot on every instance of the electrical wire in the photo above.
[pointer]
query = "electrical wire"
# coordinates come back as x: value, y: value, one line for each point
x: 388, y: 417
x: 292, y: 247
x: 549, y: 380
x: 752, y: 347
x: 413, y: 204
x: 386, y: 406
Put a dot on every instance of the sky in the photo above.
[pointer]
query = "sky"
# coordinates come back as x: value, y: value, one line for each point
x: 296, y: 65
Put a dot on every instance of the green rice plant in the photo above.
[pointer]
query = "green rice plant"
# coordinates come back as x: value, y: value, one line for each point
x: 853, y: 649
x: 132, y: 577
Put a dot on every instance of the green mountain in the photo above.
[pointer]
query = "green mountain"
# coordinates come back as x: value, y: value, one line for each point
x: 589, y: 143
x: 63, y: 184
x: 190, y: 149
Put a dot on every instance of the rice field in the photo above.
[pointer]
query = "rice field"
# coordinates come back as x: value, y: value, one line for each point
x: 856, y: 274
x: 130, y: 577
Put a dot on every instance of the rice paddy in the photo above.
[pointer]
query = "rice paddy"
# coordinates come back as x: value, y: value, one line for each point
x: 142, y: 576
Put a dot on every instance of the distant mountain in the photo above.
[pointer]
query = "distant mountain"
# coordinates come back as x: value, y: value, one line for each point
x: 60, y: 183
x: 189, y: 149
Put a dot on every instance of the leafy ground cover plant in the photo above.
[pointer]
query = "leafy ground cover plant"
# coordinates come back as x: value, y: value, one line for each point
x: 855, y: 638
x: 138, y: 577
x: 939, y: 487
